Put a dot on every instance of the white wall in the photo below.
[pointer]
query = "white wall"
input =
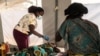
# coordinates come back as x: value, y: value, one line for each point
x: 86, y: 1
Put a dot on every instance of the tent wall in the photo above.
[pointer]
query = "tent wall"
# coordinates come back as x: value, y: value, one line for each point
x: 51, y: 21
x: 11, y: 16
x: 3, y: 4
x: 9, y: 3
x: 1, y: 33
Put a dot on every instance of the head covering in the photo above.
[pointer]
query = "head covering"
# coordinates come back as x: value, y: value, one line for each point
x: 76, y: 9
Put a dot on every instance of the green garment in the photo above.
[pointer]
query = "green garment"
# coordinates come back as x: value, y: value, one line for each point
x: 81, y: 35
x: 40, y: 50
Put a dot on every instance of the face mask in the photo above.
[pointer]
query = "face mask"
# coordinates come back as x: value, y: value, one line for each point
x: 39, y: 17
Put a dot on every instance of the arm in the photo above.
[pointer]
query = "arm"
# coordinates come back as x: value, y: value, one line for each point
x: 58, y: 37
x: 60, y: 34
x: 31, y: 28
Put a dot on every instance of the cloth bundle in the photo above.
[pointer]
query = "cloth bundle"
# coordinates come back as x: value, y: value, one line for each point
x: 41, y: 50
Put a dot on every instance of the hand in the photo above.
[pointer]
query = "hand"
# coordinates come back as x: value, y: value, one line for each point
x: 46, y: 37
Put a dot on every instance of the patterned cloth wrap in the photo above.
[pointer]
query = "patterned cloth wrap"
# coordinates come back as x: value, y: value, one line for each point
x: 40, y: 50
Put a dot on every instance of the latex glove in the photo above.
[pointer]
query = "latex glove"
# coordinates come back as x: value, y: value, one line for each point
x: 46, y: 37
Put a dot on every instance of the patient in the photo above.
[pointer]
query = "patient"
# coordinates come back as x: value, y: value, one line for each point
x: 46, y: 49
